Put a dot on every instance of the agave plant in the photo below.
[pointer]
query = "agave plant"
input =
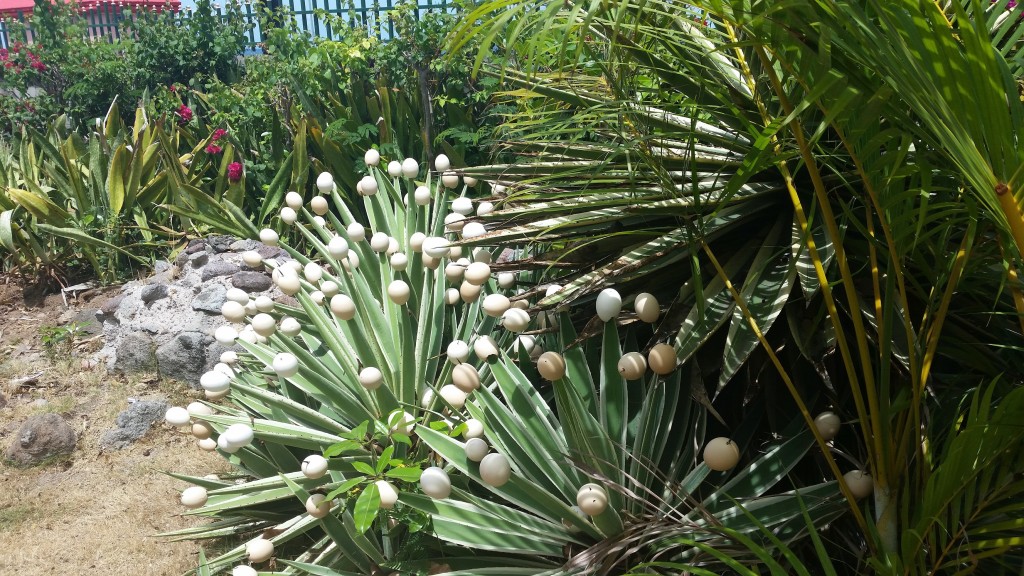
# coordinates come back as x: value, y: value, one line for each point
x: 400, y: 413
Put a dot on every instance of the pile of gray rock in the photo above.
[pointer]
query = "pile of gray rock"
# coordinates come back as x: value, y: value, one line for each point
x: 165, y: 324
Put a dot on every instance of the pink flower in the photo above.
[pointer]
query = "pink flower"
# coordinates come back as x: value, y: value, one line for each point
x: 184, y: 114
x: 234, y: 172
x: 219, y: 133
x: 213, y: 149
x: 172, y: 88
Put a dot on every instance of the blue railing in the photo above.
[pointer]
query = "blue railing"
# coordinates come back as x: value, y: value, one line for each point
x: 314, y: 17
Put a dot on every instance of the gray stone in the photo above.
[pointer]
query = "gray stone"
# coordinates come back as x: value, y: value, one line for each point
x: 86, y: 320
x: 244, y: 245
x: 251, y: 281
x: 136, y: 352
x: 181, y: 259
x: 195, y: 246
x: 133, y: 423
x: 110, y: 306
x: 3, y: 401
x: 270, y: 251
x: 41, y: 437
x: 199, y: 259
x: 184, y: 357
x: 153, y: 292
x: 220, y: 243
x: 210, y: 299
x: 161, y: 266
x: 218, y: 268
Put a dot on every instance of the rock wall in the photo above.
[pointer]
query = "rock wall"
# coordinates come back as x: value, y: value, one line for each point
x: 165, y: 323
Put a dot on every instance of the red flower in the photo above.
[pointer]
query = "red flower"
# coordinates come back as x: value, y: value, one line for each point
x: 219, y: 133
x: 3, y: 54
x: 234, y: 172
x: 8, y: 64
x: 172, y: 88
x: 37, y: 65
x: 184, y: 114
x: 213, y: 149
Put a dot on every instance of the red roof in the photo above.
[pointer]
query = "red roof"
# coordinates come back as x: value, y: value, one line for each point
x: 13, y: 7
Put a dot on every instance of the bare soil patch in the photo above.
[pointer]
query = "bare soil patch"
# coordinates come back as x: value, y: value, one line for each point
x: 93, y: 513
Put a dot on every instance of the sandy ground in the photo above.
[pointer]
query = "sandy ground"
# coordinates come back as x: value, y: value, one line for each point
x: 92, y: 513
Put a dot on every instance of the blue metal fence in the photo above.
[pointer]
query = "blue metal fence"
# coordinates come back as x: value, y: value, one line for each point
x: 105, y: 17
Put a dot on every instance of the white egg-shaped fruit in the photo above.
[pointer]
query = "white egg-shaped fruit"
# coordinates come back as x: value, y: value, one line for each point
x: 194, y: 497
x: 462, y: 206
x: 379, y: 242
x: 398, y: 292
x: 368, y: 186
x: 647, y: 307
x: 250, y: 308
x: 476, y: 449
x: 592, y: 499
x: 293, y: 200
x: 199, y: 409
x: 259, y: 550
x: 248, y: 335
x: 320, y: 222
x: 289, y: 284
x: 478, y: 273
x: 608, y: 304
x: 436, y: 247
x: 506, y: 279
x: 515, y: 320
x: 481, y: 254
x: 371, y: 157
x: 721, y: 454
x: 356, y: 232
x: 294, y: 265
x: 495, y: 469
x: 288, y: 215
x: 392, y: 246
x: 252, y: 258
x: 454, y: 222
x: 207, y: 444
x: 427, y: 398
x: 177, y: 416
x: 473, y: 230
x: 319, y: 205
x: 483, y: 208
x: 632, y: 365
x: 470, y: 181
x: 499, y: 188
x: 495, y: 305
x: 202, y: 430
x: 457, y: 351
x: 313, y: 272
x: 314, y: 466
x: 214, y: 381
x: 421, y: 196
x: 410, y: 168
x: 239, y: 435
x: 317, y: 297
x: 450, y: 179
x: 343, y: 307
x: 244, y: 570
x: 525, y: 342
x: 352, y: 262
x: 388, y: 494
x: 264, y: 324
x: 827, y: 424
x: 430, y: 262
x: 225, y: 335
x: 452, y: 296
x: 435, y: 483
x: 330, y: 288
x: 224, y: 369
x: 229, y: 357
x: 453, y: 395
x: 399, y: 262
x: 416, y: 241
x: 551, y: 366
x: 370, y: 378
x: 861, y: 484
x: 232, y: 311
x: 442, y: 163
x: 485, y: 347
x: 453, y: 272
x: 662, y: 359
x: 401, y: 422
x: 338, y: 247
x: 466, y: 377
x: 290, y: 327
x: 394, y: 168
x: 325, y: 182
x: 264, y: 303
x: 455, y: 253
x: 474, y: 429
x: 269, y: 237
x: 227, y: 446
x: 237, y: 295
x: 285, y: 364
x: 318, y: 506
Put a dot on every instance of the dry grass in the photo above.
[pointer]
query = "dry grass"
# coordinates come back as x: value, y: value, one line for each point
x: 96, y: 513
